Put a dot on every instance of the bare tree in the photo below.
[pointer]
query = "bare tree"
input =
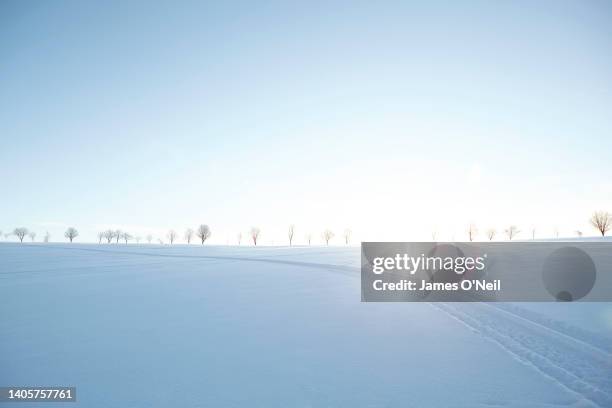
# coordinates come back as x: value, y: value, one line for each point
x: 472, y: 231
x: 309, y: 237
x: 118, y: 235
x: 203, y: 232
x: 533, y: 231
x: 347, y: 235
x: 32, y: 235
x: 512, y: 231
x: 109, y: 235
x: 239, y: 238
x: 434, y: 235
x: 556, y: 232
x: 138, y: 239
x: 327, y: 236
x: 171, y: 235
x: 100, y: 236
x: 149, y: 238
x: 602, y: 221
x: 71, y: 233
x: 189, y: 235
x: 47, y: 237
x: 126, y: 237
x: 20, y: 233
x: 491, y: 233
x: 255, y: 231
x: 291, y: 233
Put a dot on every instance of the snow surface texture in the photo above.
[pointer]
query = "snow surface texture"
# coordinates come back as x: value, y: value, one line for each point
x: 159, y: 326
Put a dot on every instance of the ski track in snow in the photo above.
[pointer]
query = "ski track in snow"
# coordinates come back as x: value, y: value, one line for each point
x: 579, y: 367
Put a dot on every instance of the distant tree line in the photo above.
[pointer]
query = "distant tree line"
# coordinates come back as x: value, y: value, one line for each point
x: 601, y: 221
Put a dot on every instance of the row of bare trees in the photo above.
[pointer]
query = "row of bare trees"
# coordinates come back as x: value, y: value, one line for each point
x: 327, y: 235
x: 600, y: 220
x: 21, y: 233
x: 203, y: 232
x: 472, y: 232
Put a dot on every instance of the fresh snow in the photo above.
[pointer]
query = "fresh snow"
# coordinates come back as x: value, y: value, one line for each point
x: 191, y: 326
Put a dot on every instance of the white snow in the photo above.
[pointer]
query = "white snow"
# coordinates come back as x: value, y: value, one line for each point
x: 160, y: 326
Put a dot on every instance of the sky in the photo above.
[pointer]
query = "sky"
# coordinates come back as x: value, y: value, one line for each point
x: 393, y: 119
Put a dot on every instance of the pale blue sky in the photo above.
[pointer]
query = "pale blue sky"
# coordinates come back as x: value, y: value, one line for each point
x: 393, y: 118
